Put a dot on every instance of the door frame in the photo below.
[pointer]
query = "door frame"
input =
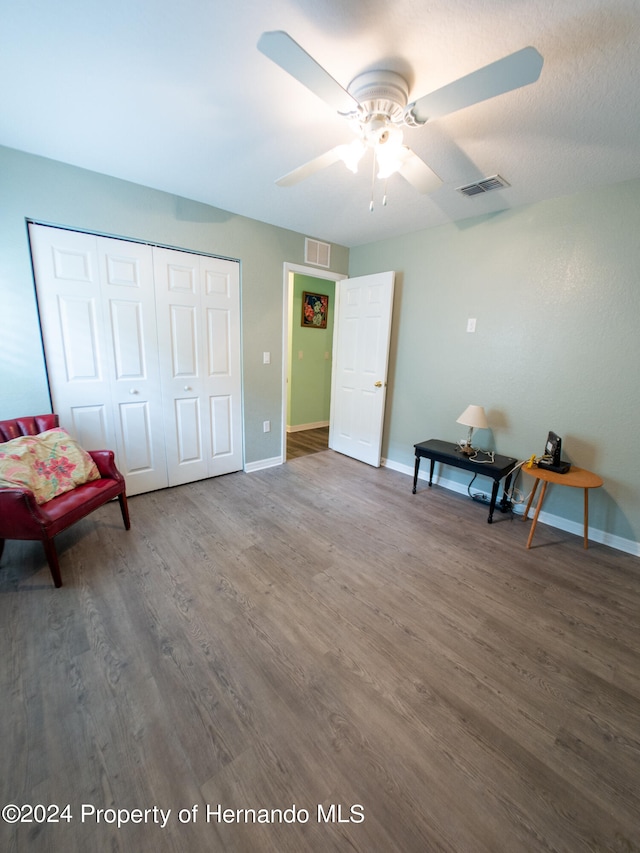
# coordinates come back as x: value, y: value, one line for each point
x: 289, y: 270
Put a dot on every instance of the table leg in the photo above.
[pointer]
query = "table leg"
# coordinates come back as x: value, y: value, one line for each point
x: 494, y: 495
x: 531, y: 497
x: 586, y: 518
x: 415, y: 474
x: 505, y: 503
x: 433, y: 465
x: 537, y: 512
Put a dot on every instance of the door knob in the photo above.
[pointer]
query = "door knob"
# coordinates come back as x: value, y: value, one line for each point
x: 133, y: 391
x: 377, y: 384
x: 187, y: 387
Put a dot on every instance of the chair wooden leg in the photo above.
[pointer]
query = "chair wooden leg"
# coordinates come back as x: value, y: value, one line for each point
x: 52, y: 559
x: 124, y: 509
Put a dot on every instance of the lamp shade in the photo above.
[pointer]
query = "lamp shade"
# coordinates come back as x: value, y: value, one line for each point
x: 474, y: 416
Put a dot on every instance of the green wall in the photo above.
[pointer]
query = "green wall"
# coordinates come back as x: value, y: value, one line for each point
x: 310, y: 376
x: 55, y: 193
x: 555, y: 289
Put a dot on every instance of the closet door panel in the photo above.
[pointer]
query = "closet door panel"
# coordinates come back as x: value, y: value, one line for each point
x: 221, y: 413
x: 135, y: 423
x: 180, y: 333
x: 88, y: 424
x: 97, y: 308
x: 128, y: 339
x: 221, y: 306
x: 189, y: 431
x: 128, y: 295
x: 184, y: 341
x: 79, y: 338
x: 74, y: 332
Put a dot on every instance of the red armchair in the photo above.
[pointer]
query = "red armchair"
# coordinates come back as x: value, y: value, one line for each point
x: 21, y: 517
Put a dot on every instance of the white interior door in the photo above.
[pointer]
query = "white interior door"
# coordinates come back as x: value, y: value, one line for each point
x: 97, y: 311
x: 199, y: 336
x: 361, y: 357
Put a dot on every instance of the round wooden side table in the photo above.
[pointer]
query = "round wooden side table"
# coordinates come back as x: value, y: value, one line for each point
x: 578, y: 478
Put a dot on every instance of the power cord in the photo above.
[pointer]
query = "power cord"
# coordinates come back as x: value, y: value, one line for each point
x: 514, y: 496
x: 490, y: 454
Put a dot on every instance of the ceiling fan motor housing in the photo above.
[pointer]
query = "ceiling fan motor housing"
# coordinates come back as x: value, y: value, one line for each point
x: 381, y: 93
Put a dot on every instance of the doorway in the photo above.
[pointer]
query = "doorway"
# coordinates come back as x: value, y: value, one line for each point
x: 307, y: 362
x: 305, y: 442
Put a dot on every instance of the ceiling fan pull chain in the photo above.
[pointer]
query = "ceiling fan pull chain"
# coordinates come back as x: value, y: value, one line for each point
x: 373, y: 182
x: 384, y: 195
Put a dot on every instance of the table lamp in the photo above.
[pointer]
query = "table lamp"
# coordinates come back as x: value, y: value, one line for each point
x: 475, y: 418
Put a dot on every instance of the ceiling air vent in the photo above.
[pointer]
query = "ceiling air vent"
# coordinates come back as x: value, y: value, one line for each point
x: 316, y: 252
x: 495, y: 182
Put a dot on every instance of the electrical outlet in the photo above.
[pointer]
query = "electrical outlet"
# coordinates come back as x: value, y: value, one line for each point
x: 266, y: 426
x: 471, y: 324
x: 266, y: 358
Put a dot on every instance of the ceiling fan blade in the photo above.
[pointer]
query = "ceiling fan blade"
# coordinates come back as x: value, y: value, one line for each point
x: 511, y: 72
x: 287, y: 53
x: 417, y: 173
x: 310, y: 168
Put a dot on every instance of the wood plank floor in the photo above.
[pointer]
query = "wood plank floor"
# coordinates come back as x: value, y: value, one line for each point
x: 314, y: 635
x: 307, y: 441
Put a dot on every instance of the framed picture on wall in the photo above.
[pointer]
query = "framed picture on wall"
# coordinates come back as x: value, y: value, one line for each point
x: 315, y: 307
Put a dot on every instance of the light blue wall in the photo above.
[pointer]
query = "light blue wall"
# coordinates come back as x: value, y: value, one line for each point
x: 48, y: 191
x: 310, y: 376
x: 555, y: 289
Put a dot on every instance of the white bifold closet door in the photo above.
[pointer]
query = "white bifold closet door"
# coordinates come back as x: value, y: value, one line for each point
x: 198, y: 314
x: 143, y: 353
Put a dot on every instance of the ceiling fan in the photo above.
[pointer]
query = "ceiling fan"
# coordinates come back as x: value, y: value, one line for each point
x: 376, y: 106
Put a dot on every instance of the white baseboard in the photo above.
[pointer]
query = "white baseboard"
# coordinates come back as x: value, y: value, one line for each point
x: 301, y: 427
x: 261, y: 464
x: 601, y: 536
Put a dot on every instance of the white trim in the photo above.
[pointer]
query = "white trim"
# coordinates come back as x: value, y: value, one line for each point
x: 301, y: 427
x: 596, y: 535
x: 261, y: 464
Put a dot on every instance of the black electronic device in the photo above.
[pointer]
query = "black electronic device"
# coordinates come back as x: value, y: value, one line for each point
x: 551, y: 460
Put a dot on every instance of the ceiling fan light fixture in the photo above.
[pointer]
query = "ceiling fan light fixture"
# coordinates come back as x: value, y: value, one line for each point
x: 388, y: 164
x: 376, y: 102
x: 390, y: 152
x: 380, y: 93
x: 351, y: 154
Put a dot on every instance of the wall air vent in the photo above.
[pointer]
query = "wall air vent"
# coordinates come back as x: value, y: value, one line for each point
x: 316, y: 252
x: 495, y: 182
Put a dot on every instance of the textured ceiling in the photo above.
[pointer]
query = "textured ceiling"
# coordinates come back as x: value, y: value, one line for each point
x: 177, y: 97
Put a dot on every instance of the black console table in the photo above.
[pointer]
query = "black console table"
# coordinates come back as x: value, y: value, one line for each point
x: 448, y: 453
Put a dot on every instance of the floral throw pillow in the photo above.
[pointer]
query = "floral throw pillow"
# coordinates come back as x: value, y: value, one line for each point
x: 48, y: 464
